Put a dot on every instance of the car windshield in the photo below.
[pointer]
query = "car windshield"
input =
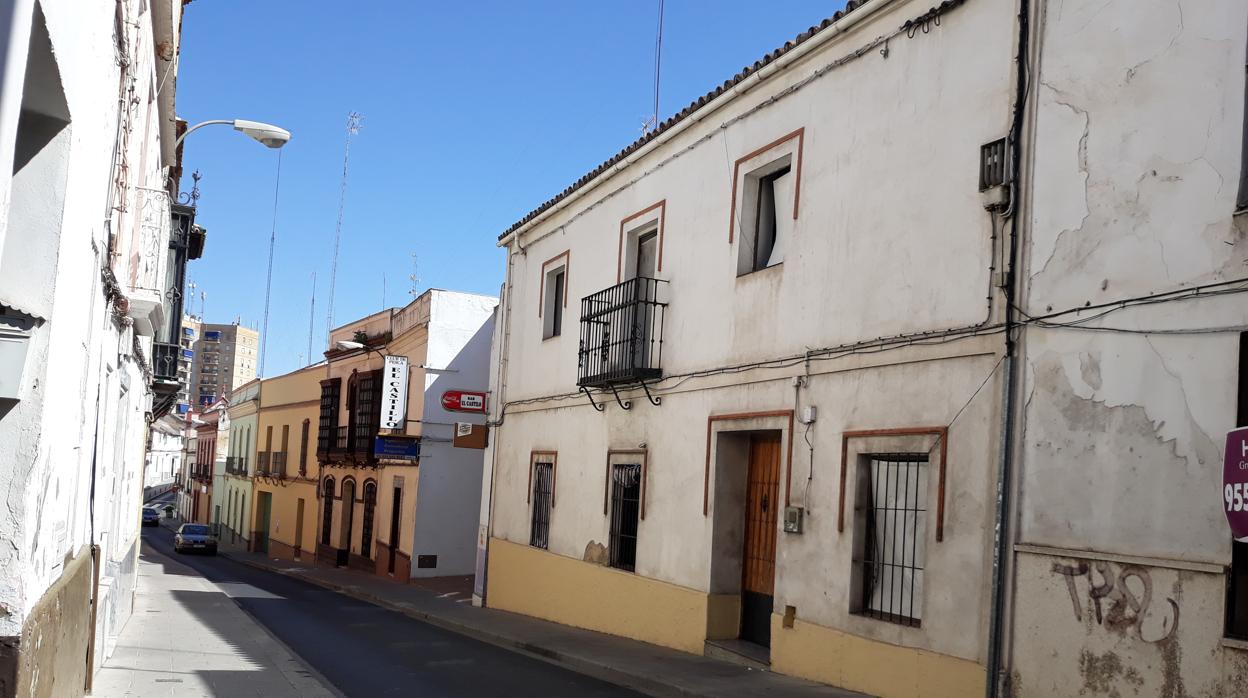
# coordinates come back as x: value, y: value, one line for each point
x: 195, y: 530
x: 149, y: 510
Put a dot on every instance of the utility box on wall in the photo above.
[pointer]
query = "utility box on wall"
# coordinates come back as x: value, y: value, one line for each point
x: 16, y: 329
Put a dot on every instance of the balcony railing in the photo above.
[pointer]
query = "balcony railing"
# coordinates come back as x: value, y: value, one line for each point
x: 277, y: 466
x: 262, y: 463
x: 147, y: 265
x: 165, y: 361
x: 622, y: 334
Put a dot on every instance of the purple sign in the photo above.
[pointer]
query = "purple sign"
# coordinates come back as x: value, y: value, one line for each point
x: 1235, y: 482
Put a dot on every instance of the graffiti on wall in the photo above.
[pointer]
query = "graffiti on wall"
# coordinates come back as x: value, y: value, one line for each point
x: 1121, y: 597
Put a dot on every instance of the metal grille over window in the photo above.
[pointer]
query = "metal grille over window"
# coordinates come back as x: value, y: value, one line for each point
x: 625, y: 508
x: 543, y: 493
x: 891, y: 567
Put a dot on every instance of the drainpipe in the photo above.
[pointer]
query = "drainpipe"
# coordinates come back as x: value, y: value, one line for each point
x: 997, y: 674
x: 505, y: 317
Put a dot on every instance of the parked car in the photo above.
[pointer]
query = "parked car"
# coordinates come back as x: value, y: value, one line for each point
x: 195, y: 537
x: 151, y: 516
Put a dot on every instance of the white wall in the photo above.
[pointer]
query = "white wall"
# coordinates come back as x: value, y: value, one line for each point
x: 1138, y: 109
x: 448, y: 500
x: 891, y: 238
x: 83, y: 365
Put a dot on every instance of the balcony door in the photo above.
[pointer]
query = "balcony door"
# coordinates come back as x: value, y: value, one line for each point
x: 647, y: 255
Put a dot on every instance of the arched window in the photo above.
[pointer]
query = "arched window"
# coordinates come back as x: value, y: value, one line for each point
x: 327, y: 515
x: 370, y: 504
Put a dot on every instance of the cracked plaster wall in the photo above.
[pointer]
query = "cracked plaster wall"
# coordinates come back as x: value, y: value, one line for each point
x: 83, y: 395
x: 1139, y: 110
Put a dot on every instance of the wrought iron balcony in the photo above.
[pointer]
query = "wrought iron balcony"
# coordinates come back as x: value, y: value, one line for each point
x: 165, y: 361
x: 262, y: 463
x: 622, y: 335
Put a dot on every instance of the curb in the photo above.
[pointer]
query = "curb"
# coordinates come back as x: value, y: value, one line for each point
x: 598, y: 670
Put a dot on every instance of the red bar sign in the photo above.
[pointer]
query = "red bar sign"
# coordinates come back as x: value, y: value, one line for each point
x: 463, y: 401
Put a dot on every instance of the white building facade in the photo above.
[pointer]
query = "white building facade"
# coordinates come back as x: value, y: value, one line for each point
x: 728, y: 292
x: 164, y: 455
x: 899, y: 362
x: 87, y: 231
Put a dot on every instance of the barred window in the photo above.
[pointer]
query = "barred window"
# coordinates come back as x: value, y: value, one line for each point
x: 892, y: 491
x: 542, y: 501
x: 625, y: 512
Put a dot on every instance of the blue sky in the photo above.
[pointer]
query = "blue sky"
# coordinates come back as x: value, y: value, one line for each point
x: 474, y: 113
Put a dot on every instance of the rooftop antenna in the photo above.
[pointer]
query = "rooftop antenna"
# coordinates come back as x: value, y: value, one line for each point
x: 353, y: 127
x: 268, y: 280
x: 312, y: 317
x: 414, y: 278
x: 190, y: 308
x: 652, y: 123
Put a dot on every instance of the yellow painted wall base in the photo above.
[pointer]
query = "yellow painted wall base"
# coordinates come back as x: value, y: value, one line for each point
x: 537, y: 583
x: 889, y: 671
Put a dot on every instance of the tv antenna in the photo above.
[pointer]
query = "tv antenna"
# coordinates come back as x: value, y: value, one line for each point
x: 414, y: 277
x: 268, y: 279
x: 652, y: 122
x: 312, y: 317
x: 353, y: 127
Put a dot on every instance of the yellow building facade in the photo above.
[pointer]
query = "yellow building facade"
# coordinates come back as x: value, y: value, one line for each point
x: 285, y: 510
x: 368, y: 503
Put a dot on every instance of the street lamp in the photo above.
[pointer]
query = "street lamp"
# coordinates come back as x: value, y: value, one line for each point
x: 267, y: 134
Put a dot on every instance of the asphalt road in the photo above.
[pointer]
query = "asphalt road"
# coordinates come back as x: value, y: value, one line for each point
x: 365, y: 650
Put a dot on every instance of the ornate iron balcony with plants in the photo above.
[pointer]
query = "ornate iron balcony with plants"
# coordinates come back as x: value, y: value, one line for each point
x: 621, y: 341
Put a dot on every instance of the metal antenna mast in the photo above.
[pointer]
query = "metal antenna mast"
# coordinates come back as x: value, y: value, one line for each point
x: 268, y: 280
x: 353, y: 127
x: 414, y: 278
x: 653, y: 122
x: 312, y: 317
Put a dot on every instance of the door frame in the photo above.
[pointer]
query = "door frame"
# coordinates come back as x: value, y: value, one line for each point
x: 724, y: 484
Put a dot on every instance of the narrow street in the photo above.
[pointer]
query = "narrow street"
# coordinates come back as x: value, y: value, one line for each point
x: 364, y: 650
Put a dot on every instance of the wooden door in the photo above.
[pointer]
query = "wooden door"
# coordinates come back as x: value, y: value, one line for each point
x: 395, y: 508
x: 762, y: 507
x: 299, y: 520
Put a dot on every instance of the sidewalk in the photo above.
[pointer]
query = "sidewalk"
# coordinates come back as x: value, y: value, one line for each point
x: 188, y: 638
x: 653, y: 670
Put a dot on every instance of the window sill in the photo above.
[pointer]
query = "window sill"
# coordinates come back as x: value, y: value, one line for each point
x: 1235, y: 643
x: 777, y: 265
x: 553, y: 336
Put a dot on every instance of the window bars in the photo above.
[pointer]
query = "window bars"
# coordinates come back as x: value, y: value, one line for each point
x: 891, y: 568
x: 625, y: 508
x: 543, y: 493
